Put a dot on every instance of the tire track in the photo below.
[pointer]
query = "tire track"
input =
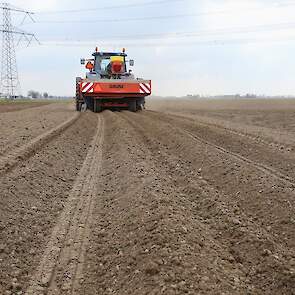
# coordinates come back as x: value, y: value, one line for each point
x: 263, y: 168
x: 220, y: 213
x: 259, y: 166
x: 12, y: 159
x: 199, y: 182
x: 144, y: 210
x: 257, y: 139
x: 61, y: 268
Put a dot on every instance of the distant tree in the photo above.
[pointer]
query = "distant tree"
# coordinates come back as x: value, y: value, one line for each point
x: 34, y: 94
x: 249, y: 95
x: 45, y: 95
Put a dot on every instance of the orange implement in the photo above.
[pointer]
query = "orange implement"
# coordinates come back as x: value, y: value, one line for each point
x: 113, y: 88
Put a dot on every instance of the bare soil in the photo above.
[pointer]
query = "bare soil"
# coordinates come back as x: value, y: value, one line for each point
x: 18, y: 106
x: 184, y: 198
x: 19, y: 128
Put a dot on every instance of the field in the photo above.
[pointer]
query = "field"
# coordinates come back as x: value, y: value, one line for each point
x: 187, y: 197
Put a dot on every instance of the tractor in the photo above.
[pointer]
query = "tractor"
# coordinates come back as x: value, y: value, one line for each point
x: 109, y: 84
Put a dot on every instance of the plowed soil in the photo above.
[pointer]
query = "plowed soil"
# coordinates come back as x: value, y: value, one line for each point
x: 17, y: 106
x: 187, y: 197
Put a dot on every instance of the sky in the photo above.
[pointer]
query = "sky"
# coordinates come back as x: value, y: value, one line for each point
x: 206, y: 47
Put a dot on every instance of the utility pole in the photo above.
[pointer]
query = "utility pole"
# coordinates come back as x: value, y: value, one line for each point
x: 10, y: 85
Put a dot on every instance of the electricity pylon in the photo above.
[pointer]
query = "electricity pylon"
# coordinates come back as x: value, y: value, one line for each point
x: 11, y: 37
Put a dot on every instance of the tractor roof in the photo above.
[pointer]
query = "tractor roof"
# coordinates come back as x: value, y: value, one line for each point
x: 109, y: 54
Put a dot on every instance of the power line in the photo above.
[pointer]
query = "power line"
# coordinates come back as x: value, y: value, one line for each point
x: 14, y: 8
x: 27, y: 14
x: 114, y: 20
x: 161, y: 17
x: 147, y: 3
x: 193, y: 34
x: 178, y: 44
x: 130, y: 19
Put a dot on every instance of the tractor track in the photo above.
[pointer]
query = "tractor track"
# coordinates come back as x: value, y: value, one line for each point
x: 16, y: 156
x: 230, y: 232
x: 258, y: 139
x: 265, y: 180
x: 263, y: 168
x: 201, y: 183
x: 60, y: 270
x: 259, y: 166
x: 129, y: 212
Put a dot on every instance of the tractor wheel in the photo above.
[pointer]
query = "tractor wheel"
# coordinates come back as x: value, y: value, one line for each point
x: 78, y: 95
x: 78, y: 106
x: 97, y: 106
x: 89, y: 102
x: 140, y: 104
x: 132, y: 106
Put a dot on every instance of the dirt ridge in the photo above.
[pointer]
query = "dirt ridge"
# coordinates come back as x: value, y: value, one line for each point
x: 16, y: 156
x: 260, y: 166
x: 256, y: 138
x: 60, y: 269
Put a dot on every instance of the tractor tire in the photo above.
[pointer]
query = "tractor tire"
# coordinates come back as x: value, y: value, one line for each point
x: 132, y: 106
x: 140, y: 104
x: 89, y: 102
x: 78, y: 106
x: 78, y: 95
x: 97, y: 106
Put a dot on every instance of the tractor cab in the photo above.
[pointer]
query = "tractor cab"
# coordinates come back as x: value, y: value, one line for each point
x: 108, y: 65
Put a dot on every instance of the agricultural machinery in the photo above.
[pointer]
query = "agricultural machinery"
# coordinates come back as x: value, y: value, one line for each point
x: 109, y: 84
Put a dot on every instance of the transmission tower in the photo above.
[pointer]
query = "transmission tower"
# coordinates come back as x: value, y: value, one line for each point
x: 11, y: 37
